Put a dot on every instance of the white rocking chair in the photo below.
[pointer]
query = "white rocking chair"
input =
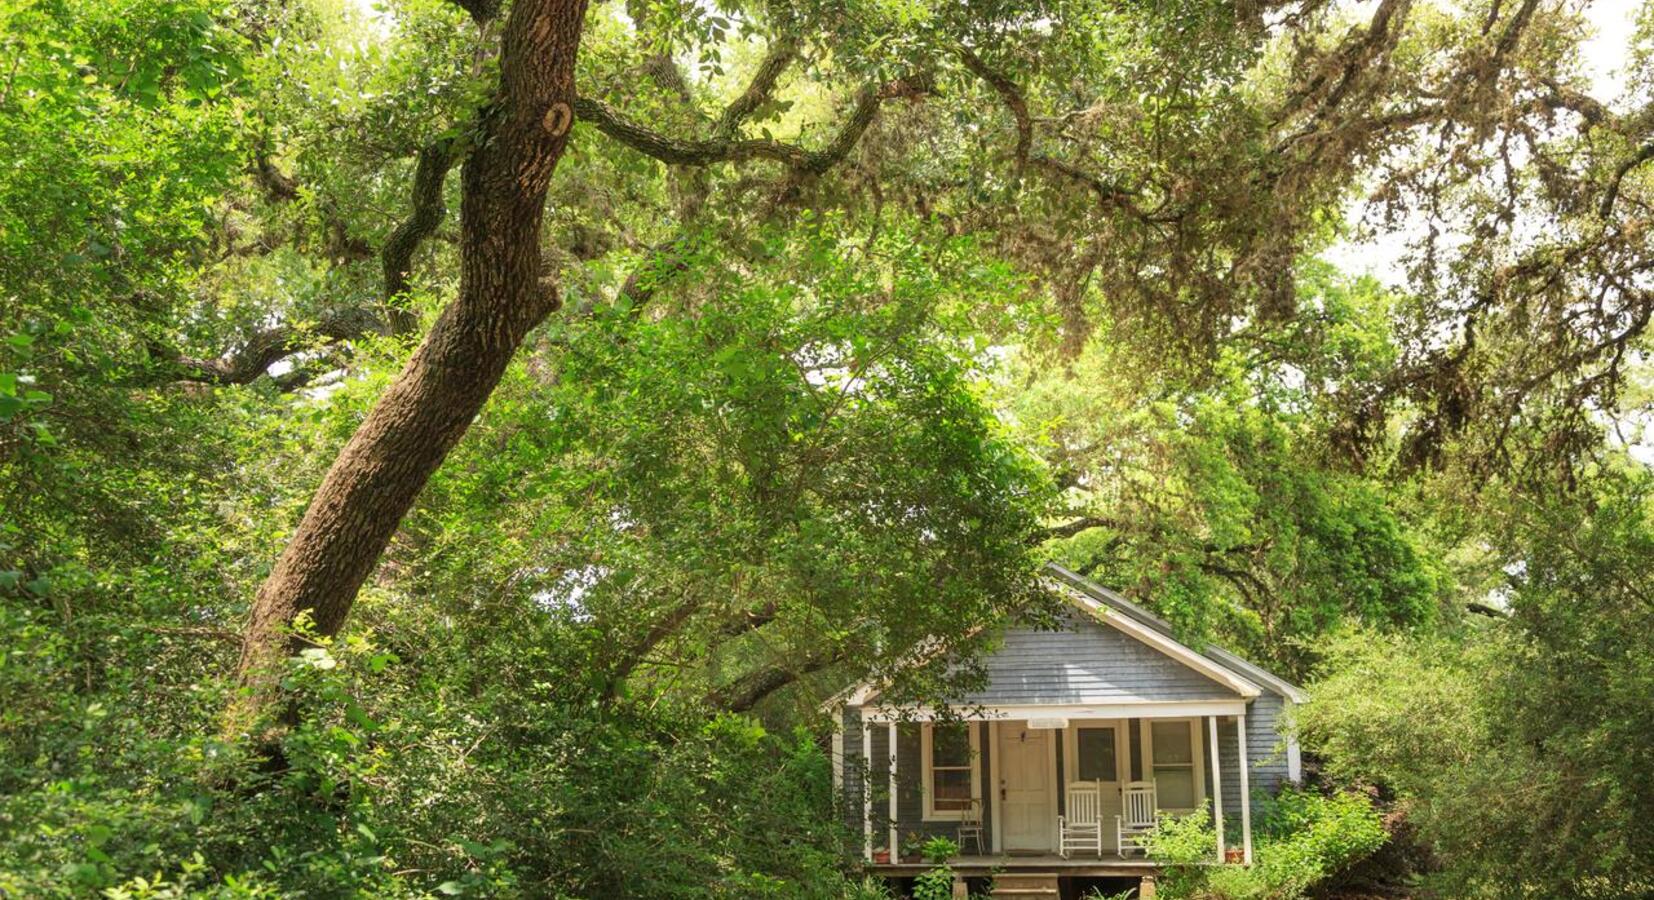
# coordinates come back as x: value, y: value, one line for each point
x: 1138, y: 807
x: 1081, y: 825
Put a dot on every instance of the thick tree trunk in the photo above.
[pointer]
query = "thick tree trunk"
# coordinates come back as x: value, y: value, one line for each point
x: 502, y: 295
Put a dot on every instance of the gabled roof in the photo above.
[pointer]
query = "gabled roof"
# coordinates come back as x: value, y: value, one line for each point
x: 1086, y: 589
x: 1110, y: 608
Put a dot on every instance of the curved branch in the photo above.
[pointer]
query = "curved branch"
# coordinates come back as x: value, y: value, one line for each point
x: 426, y: 214
x: 1613, y: 192
x: 1012, y: 97
x: 780, y: 55
x: 1073, y: 527
x: 749, y: 690
x: 266, y: 347
x: 708, y: 151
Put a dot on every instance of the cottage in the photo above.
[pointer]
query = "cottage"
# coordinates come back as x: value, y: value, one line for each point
x: 1080, y: 736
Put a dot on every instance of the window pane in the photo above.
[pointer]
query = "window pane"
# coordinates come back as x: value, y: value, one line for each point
x: 1175, y: 788
x: 951, y: 789
x: 950, y: 745
x: 1171, y: 743
x: 1096, y: 750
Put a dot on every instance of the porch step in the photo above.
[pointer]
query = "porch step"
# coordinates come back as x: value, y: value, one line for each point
x: 1025, y: 886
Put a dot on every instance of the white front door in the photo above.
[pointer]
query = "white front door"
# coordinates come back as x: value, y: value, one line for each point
x: 1027, y: 809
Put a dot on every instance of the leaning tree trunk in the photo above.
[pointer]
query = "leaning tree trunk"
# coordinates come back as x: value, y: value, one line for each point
x: 426, y: 410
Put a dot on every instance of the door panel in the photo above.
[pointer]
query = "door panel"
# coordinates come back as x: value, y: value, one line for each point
x: 1028, y: 810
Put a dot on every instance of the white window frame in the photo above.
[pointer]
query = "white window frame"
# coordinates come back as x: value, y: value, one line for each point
x: 926, y: 742
x: 1197, y: 748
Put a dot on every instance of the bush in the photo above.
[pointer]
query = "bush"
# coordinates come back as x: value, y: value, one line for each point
x: 1302, y: 839
x: 939, y: 849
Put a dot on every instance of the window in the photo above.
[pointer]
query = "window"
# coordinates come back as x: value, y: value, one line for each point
x: 1095, y: 751
x: 1173, y: 758
x: 950, y: 770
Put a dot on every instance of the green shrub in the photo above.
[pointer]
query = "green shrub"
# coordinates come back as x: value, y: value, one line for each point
x: 1302, y: 839
x: 939, y: 849
x: 936, y: 884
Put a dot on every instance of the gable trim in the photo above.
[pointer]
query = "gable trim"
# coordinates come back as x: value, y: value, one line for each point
x: 1107, y: 597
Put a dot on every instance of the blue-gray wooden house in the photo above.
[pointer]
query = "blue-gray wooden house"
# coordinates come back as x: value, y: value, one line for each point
x: 1112, y: 698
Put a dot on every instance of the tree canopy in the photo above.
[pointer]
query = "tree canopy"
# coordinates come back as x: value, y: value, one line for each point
x: 458, y: 447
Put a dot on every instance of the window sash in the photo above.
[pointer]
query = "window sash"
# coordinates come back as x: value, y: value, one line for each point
x: 952, y: 741
x: 1173, y: 763
x: 1099, y: 759
x: 1174, y: 744
x: 950, y: 784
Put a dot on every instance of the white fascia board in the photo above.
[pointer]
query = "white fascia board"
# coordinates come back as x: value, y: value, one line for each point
x: 1280, y: 685
x: 1166, y: 710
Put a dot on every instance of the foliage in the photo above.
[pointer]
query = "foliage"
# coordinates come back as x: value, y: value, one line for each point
x: 1303, y: 839
x: 1496, y: 742
x: 939, y: 849
x: 1216, y: 514
x: 808, y: 406
x: 933, y: 884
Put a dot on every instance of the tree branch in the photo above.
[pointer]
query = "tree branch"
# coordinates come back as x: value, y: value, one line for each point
x: 704, y: 152
x: 779, y: 56
x: 749, y: 690
x: 1613, y: 192
x: 1012, y: 97
x: 268, y: 346
x: 668, y: 625
x: 751, y: 620
x: 1069, y: 529
x: 426, y: 214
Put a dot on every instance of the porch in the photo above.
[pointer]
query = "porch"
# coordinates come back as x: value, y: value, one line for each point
x: 1010, y: 771
x: 976, y: 866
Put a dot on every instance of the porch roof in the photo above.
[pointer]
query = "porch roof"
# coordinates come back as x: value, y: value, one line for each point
x: 1064, y: 711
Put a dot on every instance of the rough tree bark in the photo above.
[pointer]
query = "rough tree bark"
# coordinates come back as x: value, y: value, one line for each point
x: 502, y: 295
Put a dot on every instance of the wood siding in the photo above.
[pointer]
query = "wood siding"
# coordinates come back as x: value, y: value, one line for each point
x: 1087, y: 663
x: 1265, y: 747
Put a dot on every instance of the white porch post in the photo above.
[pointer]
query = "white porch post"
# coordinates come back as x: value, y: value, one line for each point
x: 838, y: 752
x: 993, y: 780
x: 1246, y: 790
x: 1217, y: 783
x: 867, y: 789
x: 894, y: 851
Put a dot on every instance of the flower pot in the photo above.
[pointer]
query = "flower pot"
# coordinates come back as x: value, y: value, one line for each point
x: 1234, y: 856
x: 912, y: 858
x: 881, y: 856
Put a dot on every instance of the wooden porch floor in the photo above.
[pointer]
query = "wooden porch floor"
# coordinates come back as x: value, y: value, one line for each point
x: 1077, y: 864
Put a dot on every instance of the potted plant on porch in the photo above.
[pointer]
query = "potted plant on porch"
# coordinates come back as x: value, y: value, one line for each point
x: 911, y: 852
x: 1233, y: 853
x: 881, y: 855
